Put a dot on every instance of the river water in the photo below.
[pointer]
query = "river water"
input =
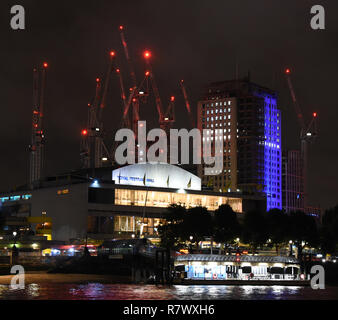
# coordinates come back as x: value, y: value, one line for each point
x: 99, y: 291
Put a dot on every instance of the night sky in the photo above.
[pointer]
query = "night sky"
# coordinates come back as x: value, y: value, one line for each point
x: 198, y: 41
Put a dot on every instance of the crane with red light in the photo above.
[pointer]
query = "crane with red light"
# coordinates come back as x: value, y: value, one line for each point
x: 36, y: 148
x: 93, y: 151
x: 187, y: 104
x: 136, y: 95
x: 308, y: 133
x: 166, y: 119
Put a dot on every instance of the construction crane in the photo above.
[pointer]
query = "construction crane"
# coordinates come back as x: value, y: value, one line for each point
x: 187, y: 104
x: 135, y: 100
x: 90, y: 140
x: 308, y: 133
x: 166, y: 119
x: 93, y: 151
x: 36, y: 148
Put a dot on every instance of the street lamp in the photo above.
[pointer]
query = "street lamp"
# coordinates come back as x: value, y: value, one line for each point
x: 290, y: 248
x: 14, y: 235
x: 190, y: 246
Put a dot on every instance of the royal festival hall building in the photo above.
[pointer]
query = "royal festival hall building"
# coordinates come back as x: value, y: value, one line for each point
x: 113, y: 203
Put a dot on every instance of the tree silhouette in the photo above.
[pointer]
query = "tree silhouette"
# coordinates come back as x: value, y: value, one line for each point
x: 226, y: 226
x: 254, y: 230
x: 302, y: 227
x: 329, y: 231
x: 277, y: 228
x: 197, y: 223
x: 171, y: 232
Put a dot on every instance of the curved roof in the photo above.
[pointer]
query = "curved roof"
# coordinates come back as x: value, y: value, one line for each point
x: 161, y: 175
x: 230, y: 258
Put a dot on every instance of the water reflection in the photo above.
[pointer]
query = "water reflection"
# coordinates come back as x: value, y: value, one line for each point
x: 99, y: 291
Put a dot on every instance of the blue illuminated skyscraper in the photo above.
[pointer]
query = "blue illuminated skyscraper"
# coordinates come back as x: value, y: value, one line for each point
x: 272, y: 153
x: 253, y: 156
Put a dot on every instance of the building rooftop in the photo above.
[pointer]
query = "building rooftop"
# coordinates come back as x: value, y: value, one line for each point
x: 230, y: 258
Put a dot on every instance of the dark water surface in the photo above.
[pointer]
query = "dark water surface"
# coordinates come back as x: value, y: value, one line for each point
x: 98, y: 291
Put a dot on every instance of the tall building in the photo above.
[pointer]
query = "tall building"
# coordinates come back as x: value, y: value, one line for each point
x: 293, y: 182
x: 250, y: 120
x: 293, y: 185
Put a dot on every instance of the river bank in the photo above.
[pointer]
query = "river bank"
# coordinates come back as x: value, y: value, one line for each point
x: 40, y: 277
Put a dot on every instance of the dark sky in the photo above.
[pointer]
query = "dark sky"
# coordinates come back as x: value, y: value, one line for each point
x: 193, y: 40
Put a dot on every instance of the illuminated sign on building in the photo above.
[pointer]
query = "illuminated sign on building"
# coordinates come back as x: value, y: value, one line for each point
x: 160, y: 175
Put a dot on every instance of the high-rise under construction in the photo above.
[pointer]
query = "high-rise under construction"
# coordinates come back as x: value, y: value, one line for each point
x: 250, y: 121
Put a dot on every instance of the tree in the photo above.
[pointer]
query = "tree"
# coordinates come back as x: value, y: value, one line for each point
x: 329, y: 231
x: 254, y: 229
x: 171, y: 232
x: 277, y: 226
x: 196, y: 223
x: 226, y: 226
x: 302, y: 228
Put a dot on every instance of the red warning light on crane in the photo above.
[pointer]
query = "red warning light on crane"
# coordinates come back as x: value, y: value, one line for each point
x: 112, y: 53
x: 315, y: 114
x: 97, y: 79
x: 147, y: 54
x: 147, y: 73
x: 45, y: 64
x: 84, y: 132
x: 172, y: 98
x: 287, y: 71
x: 121, y: 27
x: 118, y: 70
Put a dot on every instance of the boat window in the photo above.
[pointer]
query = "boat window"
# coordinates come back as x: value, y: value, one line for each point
x: 276, y: 270
x: 246, y: 269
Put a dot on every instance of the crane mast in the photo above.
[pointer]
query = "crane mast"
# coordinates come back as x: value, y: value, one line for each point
x: 93, y: 151
x: 135, y: 100
x: 167, y: 118
x: 307, y: 135
x: 36, y: 148
x: 187, y: 104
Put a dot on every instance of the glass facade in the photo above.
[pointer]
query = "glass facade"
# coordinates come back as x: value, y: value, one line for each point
x: 135, y: 224
x: 272, y: 154
x: 132, y: 197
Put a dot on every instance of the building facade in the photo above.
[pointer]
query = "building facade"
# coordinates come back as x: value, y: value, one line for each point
x: 293, y: 182
x: 127, y: 202
x: 250, y: 120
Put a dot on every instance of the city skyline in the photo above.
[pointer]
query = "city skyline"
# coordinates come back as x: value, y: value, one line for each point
x: 63, y: 40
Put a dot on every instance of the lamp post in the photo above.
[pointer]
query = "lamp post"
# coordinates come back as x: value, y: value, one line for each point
x: 191, y: 237
x: 14, y: 235
x: 290, y: 243
x: 14, y: 250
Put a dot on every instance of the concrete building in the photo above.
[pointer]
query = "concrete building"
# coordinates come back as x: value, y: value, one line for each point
x: 293, y: 182
x: 118, y: 203
x: 248, y: 116
x: 293, y: 185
